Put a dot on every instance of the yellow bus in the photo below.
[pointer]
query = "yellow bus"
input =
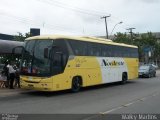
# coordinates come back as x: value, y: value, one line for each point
x: 55, y: 62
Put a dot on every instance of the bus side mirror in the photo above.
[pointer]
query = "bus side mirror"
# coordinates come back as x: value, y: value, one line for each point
x: 46, y: 53
x: 17, y: 50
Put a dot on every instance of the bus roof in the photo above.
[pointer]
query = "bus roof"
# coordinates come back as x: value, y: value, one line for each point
x: 85, y: 38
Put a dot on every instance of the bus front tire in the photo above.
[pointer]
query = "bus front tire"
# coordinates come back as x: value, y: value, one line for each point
x: 76, y: 84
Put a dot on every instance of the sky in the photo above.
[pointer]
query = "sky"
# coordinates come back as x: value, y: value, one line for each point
x: 79, y: 17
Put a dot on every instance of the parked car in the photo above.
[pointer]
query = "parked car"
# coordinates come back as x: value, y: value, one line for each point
x: 155, y: 66
x: 147, y: 71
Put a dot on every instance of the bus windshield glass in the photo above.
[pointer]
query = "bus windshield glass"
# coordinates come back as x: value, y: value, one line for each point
x: 33, y: 61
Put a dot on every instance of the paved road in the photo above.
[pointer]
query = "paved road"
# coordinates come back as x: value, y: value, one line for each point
x: 137, y: 96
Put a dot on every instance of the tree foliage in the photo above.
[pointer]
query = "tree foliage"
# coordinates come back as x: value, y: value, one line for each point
x: 143, y: 41
x: 20, y: 37
x: 122, y: 38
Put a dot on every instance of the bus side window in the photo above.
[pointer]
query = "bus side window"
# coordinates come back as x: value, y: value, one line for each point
x: 110, y: 51
x: 63, y: 49
x: 79, y: 48
x: 90, y: 49
x: 57, y: 60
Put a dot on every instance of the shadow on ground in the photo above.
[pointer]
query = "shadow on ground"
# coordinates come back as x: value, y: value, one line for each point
x: 66, y: 92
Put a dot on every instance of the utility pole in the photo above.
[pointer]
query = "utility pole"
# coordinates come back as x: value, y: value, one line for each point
x: 105, y: 17
x: 131, y: 32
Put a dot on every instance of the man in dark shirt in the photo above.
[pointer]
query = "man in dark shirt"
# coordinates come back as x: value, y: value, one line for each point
x: 6, y: 73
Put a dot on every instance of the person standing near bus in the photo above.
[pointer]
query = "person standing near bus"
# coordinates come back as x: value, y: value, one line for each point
x: 5, y: 73
x: 17, y: 77
x: 11, y: 74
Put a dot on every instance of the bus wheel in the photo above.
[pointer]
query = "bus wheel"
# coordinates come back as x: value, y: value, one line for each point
x: 76, y: 84
x: 124, y: 78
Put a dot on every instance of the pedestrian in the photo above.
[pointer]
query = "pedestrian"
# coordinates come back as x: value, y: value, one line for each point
x: 5, y: 72
x: 11, y: 75
x: 17, y: 77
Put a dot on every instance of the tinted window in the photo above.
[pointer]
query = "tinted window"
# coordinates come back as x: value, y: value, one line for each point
x: 62, y: 47
x: 94, y: 49
x: 78, y: 47
x: 82, y: 48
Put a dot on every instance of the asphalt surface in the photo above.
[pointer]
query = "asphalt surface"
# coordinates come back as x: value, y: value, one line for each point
x: 137, y: 96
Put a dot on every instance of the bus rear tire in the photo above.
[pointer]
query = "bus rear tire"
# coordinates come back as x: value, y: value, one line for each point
x: 124, y: 78
x: 76, y: 84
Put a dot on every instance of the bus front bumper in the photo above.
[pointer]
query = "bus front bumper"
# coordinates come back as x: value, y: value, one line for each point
x: 39, y: 86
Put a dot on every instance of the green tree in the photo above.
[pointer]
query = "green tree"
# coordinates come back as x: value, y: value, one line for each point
x: 143, y: 41
x: 20, y: 37
x: 122, y: 38
x: 149, y: 41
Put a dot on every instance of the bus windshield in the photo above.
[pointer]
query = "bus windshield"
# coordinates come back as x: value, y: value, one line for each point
x: 33, y: 61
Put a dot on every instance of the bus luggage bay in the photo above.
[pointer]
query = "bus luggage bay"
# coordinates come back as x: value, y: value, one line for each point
x: 55, y: 62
